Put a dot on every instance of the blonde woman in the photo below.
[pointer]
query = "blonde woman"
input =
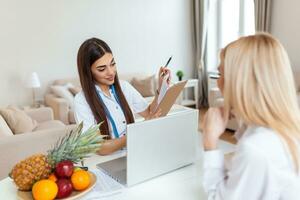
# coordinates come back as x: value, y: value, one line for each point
x: 258, y: 87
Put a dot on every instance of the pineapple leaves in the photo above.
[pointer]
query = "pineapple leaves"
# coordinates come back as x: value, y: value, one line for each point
x: 76, y: 145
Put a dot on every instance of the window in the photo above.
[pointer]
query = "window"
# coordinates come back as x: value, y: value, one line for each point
x: 227, y: 20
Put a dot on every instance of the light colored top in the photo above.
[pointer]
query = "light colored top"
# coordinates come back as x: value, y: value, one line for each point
x: 83, y: 112
x: 261, y: 168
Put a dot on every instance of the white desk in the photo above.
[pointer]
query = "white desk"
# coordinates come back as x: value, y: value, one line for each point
x: 184, y: 183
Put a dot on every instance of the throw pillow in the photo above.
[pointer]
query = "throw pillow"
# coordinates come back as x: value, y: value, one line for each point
x: 63, y: 92
x: 4, y: 128
x: 144, y: 86
x: 74, y: 90
x: 17, y: 120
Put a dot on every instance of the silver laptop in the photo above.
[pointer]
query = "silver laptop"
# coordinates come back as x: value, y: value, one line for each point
x: 156, y: 147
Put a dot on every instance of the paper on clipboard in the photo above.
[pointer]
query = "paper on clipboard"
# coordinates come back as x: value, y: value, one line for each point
x: 163, y: 89
x: 169, y: 97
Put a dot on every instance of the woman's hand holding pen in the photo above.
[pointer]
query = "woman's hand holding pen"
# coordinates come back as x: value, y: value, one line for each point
x: 163, y: 72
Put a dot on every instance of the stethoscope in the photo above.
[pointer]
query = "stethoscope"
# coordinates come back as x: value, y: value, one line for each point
x: 113, y: 124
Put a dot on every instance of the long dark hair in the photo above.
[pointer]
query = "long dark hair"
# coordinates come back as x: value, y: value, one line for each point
x: 90, y: 51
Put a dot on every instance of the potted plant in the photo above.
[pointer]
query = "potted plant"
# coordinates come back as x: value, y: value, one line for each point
x: 179, y: 74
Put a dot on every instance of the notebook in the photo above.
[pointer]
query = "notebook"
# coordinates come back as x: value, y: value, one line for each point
x: 105, y: 187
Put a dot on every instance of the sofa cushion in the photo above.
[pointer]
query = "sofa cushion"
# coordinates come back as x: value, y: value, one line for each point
x: 144, y: 86
x: 63, y: 91
x: 49, y: 125
x: 72, y: 117
x: 74, y: 90
x: 17, y: 120
x: 73, y: 81
x: 4, y: 128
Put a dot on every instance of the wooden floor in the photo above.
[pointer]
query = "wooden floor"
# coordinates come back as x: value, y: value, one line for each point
x: 227, y: 135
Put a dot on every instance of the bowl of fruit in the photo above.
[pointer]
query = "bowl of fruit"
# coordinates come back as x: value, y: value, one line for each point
x: 66, y: 182
x: 55, y: 175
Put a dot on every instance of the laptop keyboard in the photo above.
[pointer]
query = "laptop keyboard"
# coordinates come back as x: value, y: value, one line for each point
x: 107, y: 183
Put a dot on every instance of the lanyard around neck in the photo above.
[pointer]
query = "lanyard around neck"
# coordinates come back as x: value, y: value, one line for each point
x: 113, y: 90
x: 113, y: 124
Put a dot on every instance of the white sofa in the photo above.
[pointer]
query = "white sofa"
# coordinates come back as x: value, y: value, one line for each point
x: 61, y: 106
x: 16, y: 148
x: 43, y: 117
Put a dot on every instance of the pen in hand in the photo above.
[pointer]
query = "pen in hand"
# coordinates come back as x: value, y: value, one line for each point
x: 168, y: 61
x: 163, y: 74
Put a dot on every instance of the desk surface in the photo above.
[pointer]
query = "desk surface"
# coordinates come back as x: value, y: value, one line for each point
x: 184, y: 183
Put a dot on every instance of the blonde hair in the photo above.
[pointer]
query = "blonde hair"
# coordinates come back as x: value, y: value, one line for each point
x: 259, y: 86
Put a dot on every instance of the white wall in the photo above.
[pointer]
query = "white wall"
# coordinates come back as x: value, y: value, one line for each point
x: 44, y: 36
x: 285, y: 26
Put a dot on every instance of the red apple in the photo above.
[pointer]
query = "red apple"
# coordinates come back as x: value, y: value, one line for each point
x: 64, y: 188
x: 64, y: 169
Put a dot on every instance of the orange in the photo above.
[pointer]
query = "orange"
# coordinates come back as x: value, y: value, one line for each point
x: 44, y: 190
x: 52, y: 177
x: 80, y: 180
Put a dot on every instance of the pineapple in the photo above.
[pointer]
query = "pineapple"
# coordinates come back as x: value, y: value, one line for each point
x: 74, y: 146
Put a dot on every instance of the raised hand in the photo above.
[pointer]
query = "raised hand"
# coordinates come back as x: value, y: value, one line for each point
x: 163, y: 73
x: 214, y: 124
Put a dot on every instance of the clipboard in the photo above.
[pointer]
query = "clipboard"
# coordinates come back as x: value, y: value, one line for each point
x: 170, y: 97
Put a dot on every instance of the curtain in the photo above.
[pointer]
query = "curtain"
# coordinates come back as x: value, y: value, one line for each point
x: 200, y: 9
x: 262, y: 15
